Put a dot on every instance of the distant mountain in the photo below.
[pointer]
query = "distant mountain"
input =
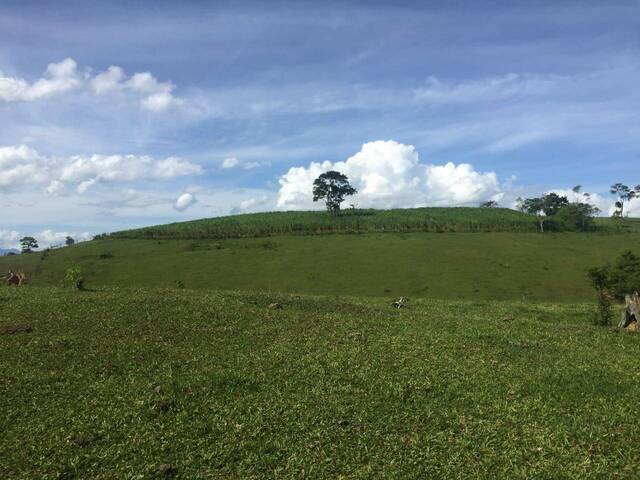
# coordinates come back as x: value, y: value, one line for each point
x: 7, y: 251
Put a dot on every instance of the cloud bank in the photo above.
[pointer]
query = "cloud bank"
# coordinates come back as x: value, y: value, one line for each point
x: 388, y: 174
x: 21, y: 165
x: 63, y: 77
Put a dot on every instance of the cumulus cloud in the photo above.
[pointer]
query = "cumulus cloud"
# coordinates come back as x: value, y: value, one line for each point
x: 63, y: 77
x: 389, y: 174
x: 58, y: 78
x: 184, y: 201
x: 9, y: 238
x: 22, y: 165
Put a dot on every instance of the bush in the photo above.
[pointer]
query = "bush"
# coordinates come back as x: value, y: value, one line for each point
x: 619, y: 279
x: 105, y: 255
x: 74, y: 278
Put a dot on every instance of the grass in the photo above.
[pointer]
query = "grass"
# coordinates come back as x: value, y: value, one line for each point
x: 430, y: 219
x: 479, y: 266
x: 117, y: 382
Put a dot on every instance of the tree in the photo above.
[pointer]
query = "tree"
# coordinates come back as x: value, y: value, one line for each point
x: 534, y: 206
x: 625, y: 194
x: 489, y: 204
x: 577, y: 216
x: 28, y: 244
x: 548, y: 205
x: 69, y: 241
x: 552, y: 203
x: 619, y: 279
x: 332, y: 186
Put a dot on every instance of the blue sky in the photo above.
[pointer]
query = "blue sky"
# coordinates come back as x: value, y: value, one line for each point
x: 118, y: 114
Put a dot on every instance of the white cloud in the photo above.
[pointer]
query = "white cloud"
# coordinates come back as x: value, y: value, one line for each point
x: 22, y: 165
x: 55, y: 188
x: 48, y: 238
x: 233, y: 162
x: 45, y: 238
x: 389, y: 174
x: 606, y: 205
x: 489, y: 89
x: 184, y: 201
x: 58, y: 78
x: 230, y: 162
x: 9, y: 238
x: 62, y: 77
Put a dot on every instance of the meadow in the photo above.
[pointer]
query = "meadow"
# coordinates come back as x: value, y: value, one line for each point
x: 154, y: 383
x: 479, y: 266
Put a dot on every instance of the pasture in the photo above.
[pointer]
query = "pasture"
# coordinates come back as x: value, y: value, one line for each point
x: 474, y: 266
x: 146, y: 383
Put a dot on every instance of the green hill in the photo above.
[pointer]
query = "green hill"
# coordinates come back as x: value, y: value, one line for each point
x: 477, y: 254
x: 350, y: 221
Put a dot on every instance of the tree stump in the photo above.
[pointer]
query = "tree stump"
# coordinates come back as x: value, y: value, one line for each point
x: 631, y: 314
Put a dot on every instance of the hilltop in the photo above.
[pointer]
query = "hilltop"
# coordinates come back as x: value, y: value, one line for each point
x: 428, y: 219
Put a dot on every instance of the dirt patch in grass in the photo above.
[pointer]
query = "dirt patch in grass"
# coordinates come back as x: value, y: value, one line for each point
x: 12, y: 329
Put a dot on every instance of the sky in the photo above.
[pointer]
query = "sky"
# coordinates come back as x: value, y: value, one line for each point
x: 122, y: 114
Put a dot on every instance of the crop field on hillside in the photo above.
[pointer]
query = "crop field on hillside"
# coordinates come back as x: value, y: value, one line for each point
x: 128, y: 383
x: 499, y: 266
x: 430, y: 219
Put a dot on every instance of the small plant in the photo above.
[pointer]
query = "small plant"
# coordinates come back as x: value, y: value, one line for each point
x: 105, y: 255
x: 604, y: 314
x: 179, y: 284
x: 74, y: 278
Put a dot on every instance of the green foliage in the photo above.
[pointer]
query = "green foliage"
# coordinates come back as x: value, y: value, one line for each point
x: 624, y: 194
x: 28, y: 244
x: 431, y: 219
x: 332, y: 187
x: 74, y: 278
x: 620, y: 279
x: 576, y: 216
x: 69, y: 241
x: 120, y: 382
x: 489, y: 204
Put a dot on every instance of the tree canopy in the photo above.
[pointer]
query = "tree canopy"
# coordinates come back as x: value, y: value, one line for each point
x: 333, y: 187
x: 28, y: 244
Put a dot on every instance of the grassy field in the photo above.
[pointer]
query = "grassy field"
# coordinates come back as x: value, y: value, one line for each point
x: 499, y: 266
x: 116, y: 383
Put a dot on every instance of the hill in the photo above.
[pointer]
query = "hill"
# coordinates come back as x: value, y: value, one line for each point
x: 116, y: 383
x: 430, y: 219
x: 496, y: 266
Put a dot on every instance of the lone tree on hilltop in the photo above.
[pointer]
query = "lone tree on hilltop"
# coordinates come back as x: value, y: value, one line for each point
x: 69, y: 241
x: 625, y: 194
x: 489, y: 204
x: 28, y: 244
x: 332, y: 186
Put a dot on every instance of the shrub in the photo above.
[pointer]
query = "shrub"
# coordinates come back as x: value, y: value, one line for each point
x: 74, y: 278
x: 619, y: 279
x: 105, y: 255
